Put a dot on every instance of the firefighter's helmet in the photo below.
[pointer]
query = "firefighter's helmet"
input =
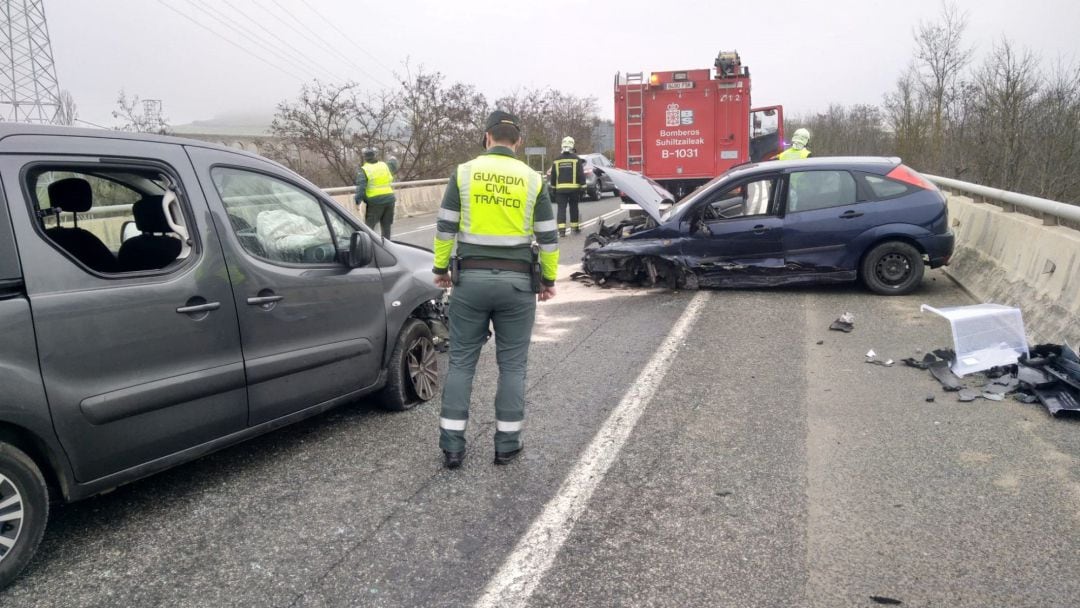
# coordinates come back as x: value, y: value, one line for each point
x: 567, y: 143
x: 800, y: 139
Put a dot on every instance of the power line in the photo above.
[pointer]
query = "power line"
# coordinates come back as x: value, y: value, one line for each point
x: 219, y: 35
x: 285, y: 42
x: 232, y: 24
x: 318, y: 38
x: 347, y: 37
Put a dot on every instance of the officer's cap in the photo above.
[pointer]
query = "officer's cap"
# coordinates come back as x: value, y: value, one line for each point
x: 498, y: 117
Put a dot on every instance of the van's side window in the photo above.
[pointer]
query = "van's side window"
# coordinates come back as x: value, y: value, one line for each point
x: 111, y: 220
x: 277, y: 221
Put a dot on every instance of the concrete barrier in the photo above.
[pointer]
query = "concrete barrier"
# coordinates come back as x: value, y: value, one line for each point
x: 413, y: 198
x: 1014, y: 259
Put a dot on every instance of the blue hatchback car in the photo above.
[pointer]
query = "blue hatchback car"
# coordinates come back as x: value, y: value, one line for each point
x: 819, y: 220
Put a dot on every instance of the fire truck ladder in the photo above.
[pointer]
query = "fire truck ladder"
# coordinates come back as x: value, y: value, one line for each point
x: 635, y: 121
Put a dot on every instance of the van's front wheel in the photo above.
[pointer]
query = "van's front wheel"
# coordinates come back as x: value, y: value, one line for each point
x: 24, y: 509
x: 413, y: 369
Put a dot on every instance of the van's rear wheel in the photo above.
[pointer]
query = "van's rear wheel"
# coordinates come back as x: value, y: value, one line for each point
x: 24, y: 509
x: 414, y: 369
x: 892, y: 268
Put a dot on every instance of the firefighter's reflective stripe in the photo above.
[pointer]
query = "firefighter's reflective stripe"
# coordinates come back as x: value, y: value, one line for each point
x: 453, y: 425
x: 379, y: 178
x: 793, y: 154
x: 497, y: 194
x: 568, y: 165
x: 449, y: 215
x: 508, y: 427
x: 549, y: 248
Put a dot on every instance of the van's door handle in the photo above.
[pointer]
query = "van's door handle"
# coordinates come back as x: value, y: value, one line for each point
x: 847, y: 215
x: 197, y: 308
x: 261, y: 300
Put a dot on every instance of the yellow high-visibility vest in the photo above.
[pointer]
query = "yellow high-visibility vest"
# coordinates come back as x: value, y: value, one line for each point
x: 379, y: 178
x: 498, y: 194
x: 793, y: 154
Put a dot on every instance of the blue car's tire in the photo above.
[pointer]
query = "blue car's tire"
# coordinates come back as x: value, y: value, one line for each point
x: 892, y: 268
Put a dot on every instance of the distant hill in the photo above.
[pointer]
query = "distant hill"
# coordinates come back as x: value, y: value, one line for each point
x: 240, y: 124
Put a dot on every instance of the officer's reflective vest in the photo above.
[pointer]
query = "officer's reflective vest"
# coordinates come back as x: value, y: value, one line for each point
x: 379, y: 178
x: 566, y: 170
x: 793, y: 154
x: 498, y: 194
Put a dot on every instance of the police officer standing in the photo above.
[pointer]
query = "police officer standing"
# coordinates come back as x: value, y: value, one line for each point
x: 493, y: 208
x: 373, y: 187
x: 567, y: 177
x: 798, y: 149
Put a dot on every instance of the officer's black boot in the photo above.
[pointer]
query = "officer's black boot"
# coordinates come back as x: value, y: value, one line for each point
x: 508, y: 457
x: 453, y: 460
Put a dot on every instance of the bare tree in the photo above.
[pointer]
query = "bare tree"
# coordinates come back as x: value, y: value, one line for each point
x: 941, y: 57
x: 67, y: 112
x: 1006, y: 87
x: 548, y: 115
x: 441, y: 124
x: 320, y: 122
x: 131, y: 112
x: 907, y: 117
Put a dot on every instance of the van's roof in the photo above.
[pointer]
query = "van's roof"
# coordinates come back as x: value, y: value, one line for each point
x: 9, y: 129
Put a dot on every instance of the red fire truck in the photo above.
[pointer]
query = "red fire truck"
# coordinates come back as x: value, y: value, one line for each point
x: 685, y: 127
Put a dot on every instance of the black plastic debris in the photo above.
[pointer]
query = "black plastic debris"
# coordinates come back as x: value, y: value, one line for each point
x: 943, y: 374
x: 888, y: 601
x: 1049, y: 374
x: 846, y: 323
x: 924, y: 363
x: 930, y: 398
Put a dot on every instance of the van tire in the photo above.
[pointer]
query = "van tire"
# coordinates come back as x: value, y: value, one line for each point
x: 413, y: 369
x: 892, y: 268
x: 19, y: 474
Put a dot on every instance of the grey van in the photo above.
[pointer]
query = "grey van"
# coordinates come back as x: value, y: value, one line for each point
x: 162, y: 298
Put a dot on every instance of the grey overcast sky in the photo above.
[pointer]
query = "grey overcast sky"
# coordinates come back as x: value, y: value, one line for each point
x: 802, y: 53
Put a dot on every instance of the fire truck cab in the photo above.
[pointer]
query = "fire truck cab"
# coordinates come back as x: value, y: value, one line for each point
x: 682, y: 128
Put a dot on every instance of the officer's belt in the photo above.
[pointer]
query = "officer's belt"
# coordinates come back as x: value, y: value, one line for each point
x: 491, y: 264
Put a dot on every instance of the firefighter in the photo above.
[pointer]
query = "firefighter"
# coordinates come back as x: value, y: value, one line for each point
x: 493, y: 207
x: 798, y: 149
x: 567, y: 177
x: 373, y: 187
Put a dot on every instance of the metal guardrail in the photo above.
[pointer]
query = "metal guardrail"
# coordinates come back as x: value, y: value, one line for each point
x: 1051, y: 212
x: 396, y: 185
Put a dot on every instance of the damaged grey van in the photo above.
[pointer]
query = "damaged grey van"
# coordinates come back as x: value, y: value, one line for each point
x: 162, y: 298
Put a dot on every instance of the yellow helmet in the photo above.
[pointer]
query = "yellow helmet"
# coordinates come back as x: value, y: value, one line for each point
x: 567, y: 143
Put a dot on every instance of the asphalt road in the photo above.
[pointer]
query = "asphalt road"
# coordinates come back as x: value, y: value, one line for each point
x: 765, y: 469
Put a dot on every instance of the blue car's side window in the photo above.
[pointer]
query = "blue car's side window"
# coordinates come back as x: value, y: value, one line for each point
x: 811, y: 190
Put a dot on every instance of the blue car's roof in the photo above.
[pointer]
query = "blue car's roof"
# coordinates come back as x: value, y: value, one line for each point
x: 870, y: 164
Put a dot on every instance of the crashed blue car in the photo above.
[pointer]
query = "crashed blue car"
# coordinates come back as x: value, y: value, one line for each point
x: 818, y: 220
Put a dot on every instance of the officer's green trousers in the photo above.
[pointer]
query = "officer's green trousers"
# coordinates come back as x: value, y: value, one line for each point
x: 506, y: 300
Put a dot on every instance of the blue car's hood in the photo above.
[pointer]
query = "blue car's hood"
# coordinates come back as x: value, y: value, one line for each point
x: 648, y: 194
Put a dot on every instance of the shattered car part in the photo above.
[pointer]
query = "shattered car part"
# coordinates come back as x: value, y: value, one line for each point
x: 923, y: 364
x: 871, y: 358
x: 1058, y: 399
x: 949, y: 381
x: 845, y: 323
x: 984, y: 335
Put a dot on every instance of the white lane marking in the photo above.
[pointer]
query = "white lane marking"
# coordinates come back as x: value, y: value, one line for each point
x: 535, y: 552
x: 420, y: 229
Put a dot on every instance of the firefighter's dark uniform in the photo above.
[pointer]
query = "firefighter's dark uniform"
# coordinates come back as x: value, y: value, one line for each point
x: 567, y: 178
x: 494, y: 206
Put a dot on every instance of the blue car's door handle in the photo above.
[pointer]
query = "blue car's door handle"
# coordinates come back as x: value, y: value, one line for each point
x: 847, y: 215
x: 760, y: 229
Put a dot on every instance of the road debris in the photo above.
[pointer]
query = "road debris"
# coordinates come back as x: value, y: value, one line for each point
x: 845, y: 323
x: 984, y: 336
x: 1049, y: 374
x: 881, y: 599
x: 871, y: 358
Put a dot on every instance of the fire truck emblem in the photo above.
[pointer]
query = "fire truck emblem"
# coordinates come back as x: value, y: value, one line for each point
x: 672, y: 116
x: 686, y: 117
